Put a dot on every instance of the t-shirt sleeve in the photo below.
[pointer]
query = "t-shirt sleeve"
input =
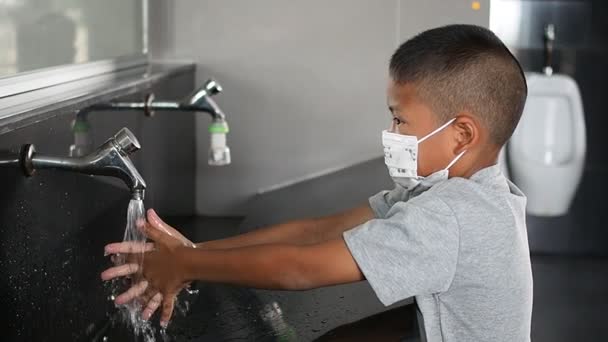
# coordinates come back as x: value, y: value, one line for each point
x: 382, y: 202
x: 413, y: 251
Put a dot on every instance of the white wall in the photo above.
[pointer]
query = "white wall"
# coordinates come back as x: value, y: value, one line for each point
x: 304, y: 81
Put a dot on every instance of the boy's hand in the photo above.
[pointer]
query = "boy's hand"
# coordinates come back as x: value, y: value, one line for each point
x: 148, y: 296
x: 163, y: 272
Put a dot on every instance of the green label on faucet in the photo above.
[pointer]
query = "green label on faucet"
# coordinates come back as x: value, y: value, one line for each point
x: 80, y: 126
x: 219, y: 127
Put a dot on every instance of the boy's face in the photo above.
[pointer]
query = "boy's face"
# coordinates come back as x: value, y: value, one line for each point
x: 412, y: 116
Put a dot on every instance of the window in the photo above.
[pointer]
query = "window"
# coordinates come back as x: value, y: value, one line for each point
x: 47, y: 42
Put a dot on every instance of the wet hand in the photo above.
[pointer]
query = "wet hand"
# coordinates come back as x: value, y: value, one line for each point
x: 163, y: 273
x: 127, y: 257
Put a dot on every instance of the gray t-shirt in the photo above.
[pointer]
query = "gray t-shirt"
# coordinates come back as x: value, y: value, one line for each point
x: 461, y: 248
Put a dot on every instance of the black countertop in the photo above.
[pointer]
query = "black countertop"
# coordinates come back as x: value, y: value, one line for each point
x: 221, y: 313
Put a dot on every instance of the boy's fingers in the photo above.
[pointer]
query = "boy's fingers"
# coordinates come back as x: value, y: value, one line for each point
x: 168, y: 304
x: 133, y: 259
x: 153, y: 233
x: 128, y: 247
x: 156, y: 222
x: 148, y: 295
x: 119, y: 271
x: 153, y: 304
x: 132, y: 293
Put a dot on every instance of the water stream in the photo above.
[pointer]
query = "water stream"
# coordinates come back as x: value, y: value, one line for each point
x: 130, y: 314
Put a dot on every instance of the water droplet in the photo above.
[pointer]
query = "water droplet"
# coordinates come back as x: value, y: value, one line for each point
x: 192, y: 292
x: 105, y: 339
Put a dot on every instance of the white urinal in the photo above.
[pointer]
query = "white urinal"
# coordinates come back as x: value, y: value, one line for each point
x: 546, y: 153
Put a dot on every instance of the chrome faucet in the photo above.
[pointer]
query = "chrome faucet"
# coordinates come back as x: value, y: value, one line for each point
x: 198, y: 101
x: 110, y: 159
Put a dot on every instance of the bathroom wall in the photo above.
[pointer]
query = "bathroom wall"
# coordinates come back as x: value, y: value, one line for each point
x: 304, y: 81
x: 53, y: 226
x: 581, y: 51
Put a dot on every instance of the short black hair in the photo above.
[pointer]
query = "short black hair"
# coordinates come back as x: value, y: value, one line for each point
x: 464, y: 68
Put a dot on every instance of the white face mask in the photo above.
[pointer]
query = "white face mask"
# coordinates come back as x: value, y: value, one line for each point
x: 401, y: 158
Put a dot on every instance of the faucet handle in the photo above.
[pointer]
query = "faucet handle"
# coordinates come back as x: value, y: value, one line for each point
x: 126, y: 142
x: 210, y: 88
x: 213, y: 87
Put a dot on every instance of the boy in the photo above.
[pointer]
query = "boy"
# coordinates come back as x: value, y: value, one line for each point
x: 452, y: 233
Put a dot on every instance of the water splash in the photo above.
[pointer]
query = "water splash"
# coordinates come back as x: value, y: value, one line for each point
x: 130, y: 314
x: 135, y: 214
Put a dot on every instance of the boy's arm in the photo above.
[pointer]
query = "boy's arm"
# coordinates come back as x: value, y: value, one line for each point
x: 298, y: 232
x: 274, y: 266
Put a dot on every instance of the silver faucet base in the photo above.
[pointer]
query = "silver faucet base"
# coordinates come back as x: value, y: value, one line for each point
x: 110, y: 159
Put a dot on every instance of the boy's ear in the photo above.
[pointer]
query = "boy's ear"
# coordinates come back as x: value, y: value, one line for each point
x: 468, y: 132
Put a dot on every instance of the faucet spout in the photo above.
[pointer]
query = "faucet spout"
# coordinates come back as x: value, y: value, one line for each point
x: 110, y: 159
x: 199, y: 100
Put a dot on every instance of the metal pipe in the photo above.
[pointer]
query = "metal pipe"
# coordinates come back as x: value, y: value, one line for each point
x: 198, y: 101
x: 110, y: 159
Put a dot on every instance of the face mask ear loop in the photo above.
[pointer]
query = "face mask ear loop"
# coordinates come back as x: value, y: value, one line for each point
x: 437, y: 130
x: 455, y: 160
x: 393, y: 127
